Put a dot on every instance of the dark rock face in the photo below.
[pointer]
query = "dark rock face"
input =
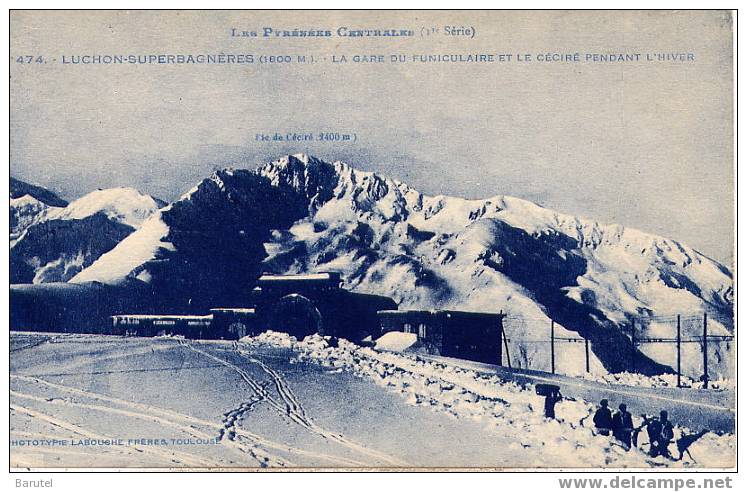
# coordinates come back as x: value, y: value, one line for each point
x: 56, y: 250
x: 546, y: 264
x: 51, y: 240
x: 20, y: 188
x: 314, y: 180
x: 31, y: 209
x: 217, y: 234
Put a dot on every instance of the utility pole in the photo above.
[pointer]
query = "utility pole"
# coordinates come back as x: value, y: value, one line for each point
x: 552, y: 346
x: 705, y: 350
x: 632, y: 345
x: 505, y: 342
x: 586, y: 343
x: 679, y: 352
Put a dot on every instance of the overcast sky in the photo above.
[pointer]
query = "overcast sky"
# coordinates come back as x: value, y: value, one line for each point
x: 647, y: 145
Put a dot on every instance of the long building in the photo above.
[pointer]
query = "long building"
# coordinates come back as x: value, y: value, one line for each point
x: 460, y: 334
x: 300, y: 305
x: 150, y: 325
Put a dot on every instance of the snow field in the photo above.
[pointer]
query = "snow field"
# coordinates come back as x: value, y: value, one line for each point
x: 514, y: 412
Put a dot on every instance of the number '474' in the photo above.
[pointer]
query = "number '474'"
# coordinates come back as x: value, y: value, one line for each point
x: 30, y: 59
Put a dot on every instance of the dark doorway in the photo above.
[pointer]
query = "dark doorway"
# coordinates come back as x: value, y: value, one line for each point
x: 295, y: 315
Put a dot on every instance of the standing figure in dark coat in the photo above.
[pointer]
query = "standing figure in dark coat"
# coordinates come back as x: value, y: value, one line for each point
x: 551, y: 399
x: 645, y: 421
x: 653, y: 429
x: 622, y: 426
x: 603, y: 418
x: 660, y: 434
x: 667, y: 435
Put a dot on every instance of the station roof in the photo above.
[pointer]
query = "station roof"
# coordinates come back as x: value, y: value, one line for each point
x: 433, y: 312
x: 175, y: 317
x: 233, y: 310
x: 329, y: 276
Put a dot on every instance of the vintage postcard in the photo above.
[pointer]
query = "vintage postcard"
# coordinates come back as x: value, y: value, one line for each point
x: 355, y: 240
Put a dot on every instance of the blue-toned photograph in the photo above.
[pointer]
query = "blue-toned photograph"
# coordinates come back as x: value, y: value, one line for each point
x: 355, y: 240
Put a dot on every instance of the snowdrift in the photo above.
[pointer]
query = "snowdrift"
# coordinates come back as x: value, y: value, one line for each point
x: 513, y: 410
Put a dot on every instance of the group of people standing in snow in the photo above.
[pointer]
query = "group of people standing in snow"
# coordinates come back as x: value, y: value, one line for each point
x: 620, y: 425
x: 660, y: 430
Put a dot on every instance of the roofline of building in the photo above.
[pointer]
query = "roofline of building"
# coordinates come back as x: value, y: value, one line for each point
x: 439, y: 311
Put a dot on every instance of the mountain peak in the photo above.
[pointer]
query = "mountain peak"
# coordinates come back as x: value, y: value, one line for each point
x: 20, y: 188
x: 122, y: 204
x: 300, y: 214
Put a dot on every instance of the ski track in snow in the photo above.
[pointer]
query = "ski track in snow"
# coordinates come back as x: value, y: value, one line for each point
x: 228, y: 429
x: 186, y: 458
x: 231, y: 417
x: 187, y: 423
x: 290, y: 405
x: 261, y: 456
x: 280, y: 384
x: 176, y: 457
x: 466, y: 393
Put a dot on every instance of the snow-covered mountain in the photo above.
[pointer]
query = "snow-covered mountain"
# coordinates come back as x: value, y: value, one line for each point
x: 20, y: 189
x: 300, y: 214
x: 206, y: 248
x: 123, y: 205
x: 53, y: 243
x: 29, y: 204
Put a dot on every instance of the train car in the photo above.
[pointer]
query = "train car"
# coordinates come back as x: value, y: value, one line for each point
x: 460, y: 334
x: 150, y: 325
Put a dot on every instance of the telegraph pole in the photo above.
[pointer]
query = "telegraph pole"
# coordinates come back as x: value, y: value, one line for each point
x: 679, y: 352
x: 705, y: 350
x: 505, y: 344
x: 632, y: 345
x: 586, y: 342
x: 552, y: 346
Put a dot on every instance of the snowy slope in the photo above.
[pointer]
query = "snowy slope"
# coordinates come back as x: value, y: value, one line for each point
x: 25, y: 212
x: 272, y: 401
x: 206, y: 247
x: 501, y: 253
x: 124, y: 205
x: 130, y: 254
x: 57, y: 243
x: 299, y: 214
x: 510, y: 408
x: 29, y: 204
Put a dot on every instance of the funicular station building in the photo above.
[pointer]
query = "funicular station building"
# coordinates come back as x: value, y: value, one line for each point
x: 302, y: 305
x: 296, y: 304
